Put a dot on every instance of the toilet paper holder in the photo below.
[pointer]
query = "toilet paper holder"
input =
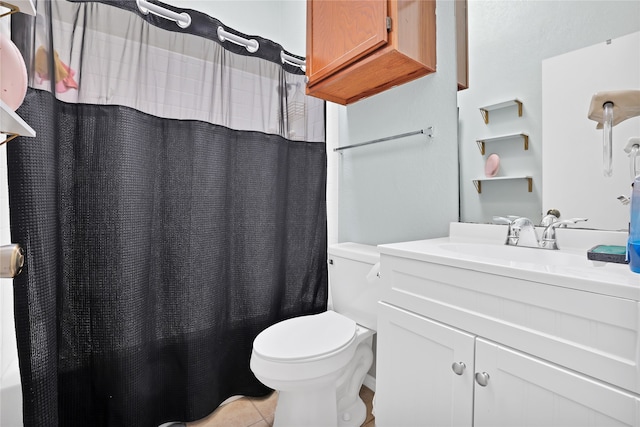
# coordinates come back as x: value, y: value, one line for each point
x: 11, y: 260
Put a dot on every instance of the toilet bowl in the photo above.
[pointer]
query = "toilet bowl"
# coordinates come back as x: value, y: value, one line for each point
x: 318, y: 362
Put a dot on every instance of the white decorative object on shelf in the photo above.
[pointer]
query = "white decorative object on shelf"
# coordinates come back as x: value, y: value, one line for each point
x: 14, y: 6
x: 478, y: 181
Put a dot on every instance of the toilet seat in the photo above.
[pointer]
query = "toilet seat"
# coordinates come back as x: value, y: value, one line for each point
x: 305, y: 338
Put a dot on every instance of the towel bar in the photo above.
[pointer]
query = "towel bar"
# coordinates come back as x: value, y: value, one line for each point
x: 428, y: 131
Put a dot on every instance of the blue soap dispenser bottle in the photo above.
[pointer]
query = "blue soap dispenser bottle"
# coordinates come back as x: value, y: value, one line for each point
x: 633, y: 244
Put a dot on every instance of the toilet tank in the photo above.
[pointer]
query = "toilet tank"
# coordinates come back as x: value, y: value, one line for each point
x: 353, y: 281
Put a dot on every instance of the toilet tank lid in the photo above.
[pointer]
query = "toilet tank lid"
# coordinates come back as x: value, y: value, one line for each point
x: 356, y: 251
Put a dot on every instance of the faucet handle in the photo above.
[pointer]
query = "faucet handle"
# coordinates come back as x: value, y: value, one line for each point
x: 552, y: 216
x: 548, y: 240
x: 500, y: 220
x: 504, y: 219
x: 548, y: 220
x: 566, y: 222
x: 574, y: 220
x: 516, y: 227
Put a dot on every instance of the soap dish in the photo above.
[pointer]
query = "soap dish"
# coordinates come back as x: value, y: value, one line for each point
x: 608, y: 253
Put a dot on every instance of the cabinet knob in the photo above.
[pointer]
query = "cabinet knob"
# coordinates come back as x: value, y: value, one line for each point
x: 458, y: 367
x: 482, y: 378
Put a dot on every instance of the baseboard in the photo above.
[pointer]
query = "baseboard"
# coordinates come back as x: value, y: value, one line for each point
x: 369, y: 382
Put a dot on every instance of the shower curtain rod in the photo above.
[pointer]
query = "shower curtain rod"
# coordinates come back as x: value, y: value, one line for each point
x: 184, y: 20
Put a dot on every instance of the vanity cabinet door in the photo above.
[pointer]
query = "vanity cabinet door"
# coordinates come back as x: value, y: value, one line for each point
x: 523, y: 390
x: 415, y: 380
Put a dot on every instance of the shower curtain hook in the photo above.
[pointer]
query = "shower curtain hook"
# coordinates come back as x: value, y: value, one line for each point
x: 251, y: 45
x: 182, y: 19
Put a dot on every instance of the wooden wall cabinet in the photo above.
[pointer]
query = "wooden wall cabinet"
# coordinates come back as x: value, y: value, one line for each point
x: 357, y: 49
x: 462, y: 44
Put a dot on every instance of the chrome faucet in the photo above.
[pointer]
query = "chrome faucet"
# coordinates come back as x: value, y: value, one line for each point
x: 549, y: 240
x: 522, y: 231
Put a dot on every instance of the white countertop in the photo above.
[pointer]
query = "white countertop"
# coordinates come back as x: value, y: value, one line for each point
x: 481, y: 247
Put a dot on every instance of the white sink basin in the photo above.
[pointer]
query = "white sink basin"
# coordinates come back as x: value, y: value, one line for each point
x: 509, y: 255
x: 566, y: 267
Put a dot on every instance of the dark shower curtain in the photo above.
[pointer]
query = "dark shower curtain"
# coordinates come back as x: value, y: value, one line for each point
x: 171, y: 207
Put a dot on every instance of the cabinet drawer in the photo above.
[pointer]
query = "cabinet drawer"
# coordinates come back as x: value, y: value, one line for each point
x: 587, y: 332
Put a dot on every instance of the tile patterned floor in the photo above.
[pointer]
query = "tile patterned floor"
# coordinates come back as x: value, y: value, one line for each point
x: 258, y: 412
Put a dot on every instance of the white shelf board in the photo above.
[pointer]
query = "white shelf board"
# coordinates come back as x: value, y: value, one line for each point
x: 478, y: 181
x: 485, y: 110
x: 11, y: 123
x: 500, y: 105
x: 522, y: 135
x: 24, y: 6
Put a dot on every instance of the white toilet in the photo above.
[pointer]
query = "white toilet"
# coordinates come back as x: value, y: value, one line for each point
x: 318, y: 362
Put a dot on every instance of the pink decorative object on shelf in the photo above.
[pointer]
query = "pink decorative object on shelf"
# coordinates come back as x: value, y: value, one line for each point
x: 13, y: 72
x: 492, y: 165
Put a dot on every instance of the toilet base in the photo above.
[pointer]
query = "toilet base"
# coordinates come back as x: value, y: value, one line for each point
x: 351, y: 409
x: 293, y: 410
x: 322, y: 392
x: 312, y: 408
x: 354, y: 415
x: 335, y: 403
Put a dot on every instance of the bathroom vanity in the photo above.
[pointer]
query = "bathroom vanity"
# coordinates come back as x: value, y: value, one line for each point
x: 473, y: 332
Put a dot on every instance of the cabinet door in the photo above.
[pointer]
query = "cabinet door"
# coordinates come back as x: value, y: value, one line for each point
x: 525, y: 391
x: 415, y: 382
x: 340, y: 32
x: 462, y: 44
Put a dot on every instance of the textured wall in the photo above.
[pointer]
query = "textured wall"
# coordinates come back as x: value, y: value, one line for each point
x: 404, y: 189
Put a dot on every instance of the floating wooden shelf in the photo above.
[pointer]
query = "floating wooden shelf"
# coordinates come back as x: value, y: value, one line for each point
x: 481, y: 142
x: 15, y: 6
x: 485, y: 110
x: 478, y: 182
x: 12, y: 124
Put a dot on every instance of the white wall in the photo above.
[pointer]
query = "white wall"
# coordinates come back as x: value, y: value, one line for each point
x: 507, y: 42
x: 404, y: 189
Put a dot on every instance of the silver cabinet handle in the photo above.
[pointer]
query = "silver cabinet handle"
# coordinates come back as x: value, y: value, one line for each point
x: 458, y: 367
x: 482, y: 378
